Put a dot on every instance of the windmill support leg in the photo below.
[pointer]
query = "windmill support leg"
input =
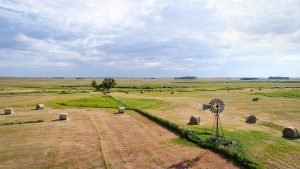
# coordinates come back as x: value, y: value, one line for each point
x: 217, y: 128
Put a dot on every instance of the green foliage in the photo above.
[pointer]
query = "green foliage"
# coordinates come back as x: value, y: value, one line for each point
x: 106, y: 84
x: 94, y: 83
x: 186, y: 78
x: 285, y: 93
x: 96, y: 86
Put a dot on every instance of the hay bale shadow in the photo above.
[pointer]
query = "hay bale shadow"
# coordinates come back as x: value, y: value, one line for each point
x: 295, y: 138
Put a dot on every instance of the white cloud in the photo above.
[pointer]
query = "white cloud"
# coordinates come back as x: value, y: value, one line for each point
x: 240, y: 24
x: 20, y: 59
x: 44, y: 62
x: 294, y: 58
x: 61, y: 50
x: 93, y: 14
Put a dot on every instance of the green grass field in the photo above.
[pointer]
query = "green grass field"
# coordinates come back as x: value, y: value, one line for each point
x: 288, y: 94
x: 262, y: 142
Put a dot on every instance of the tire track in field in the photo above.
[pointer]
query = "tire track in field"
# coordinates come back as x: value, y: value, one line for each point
x: 100, y: 141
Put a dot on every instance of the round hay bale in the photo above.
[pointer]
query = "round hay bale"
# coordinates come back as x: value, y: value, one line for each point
x: 63, y: 116
x: 194, y: 120
x: 251, y: 119
x: 121, y: 110
x: 172, y: 92
x: 255, y: 99
x: 8, y: 111
x: 251, y: 90
x: 39, y: 106
x: 290, y: 132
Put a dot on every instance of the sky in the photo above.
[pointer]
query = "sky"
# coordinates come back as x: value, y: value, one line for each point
x: 150, y: 38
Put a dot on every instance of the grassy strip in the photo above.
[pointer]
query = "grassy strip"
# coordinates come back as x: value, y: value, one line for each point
x: 287, y: 94
x: 23, y: 122
x: 236, y: 155
x: 95, y: 101
x: 182, y: 141
x: 145, y: 103
x: 107, y: 101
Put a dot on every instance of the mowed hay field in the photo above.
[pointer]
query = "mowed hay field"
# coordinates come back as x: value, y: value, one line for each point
x: 96, y: 137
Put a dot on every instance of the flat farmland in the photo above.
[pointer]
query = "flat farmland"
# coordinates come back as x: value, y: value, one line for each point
x: 96, y: 137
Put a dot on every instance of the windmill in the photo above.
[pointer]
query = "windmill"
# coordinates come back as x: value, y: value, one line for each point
x: 216, y: 106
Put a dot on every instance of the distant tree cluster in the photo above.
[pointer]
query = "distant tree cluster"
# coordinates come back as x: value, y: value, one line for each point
x: 105, y: 86
x: 149, y: 78
x: 186, y: 77
x: 278, y: 78
x: 249, y: 78
x: 79, y: 78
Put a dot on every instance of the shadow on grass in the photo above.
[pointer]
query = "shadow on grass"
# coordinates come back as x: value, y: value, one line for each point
x: 118, y: 113
x: 36, y: 109
x: 22, y: 122
x: 288, y: 138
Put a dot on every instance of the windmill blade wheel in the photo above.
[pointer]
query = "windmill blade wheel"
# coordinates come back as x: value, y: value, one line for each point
x: 216, y: 106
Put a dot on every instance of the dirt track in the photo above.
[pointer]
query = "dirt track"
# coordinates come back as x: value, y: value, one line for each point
x: 97, y: 139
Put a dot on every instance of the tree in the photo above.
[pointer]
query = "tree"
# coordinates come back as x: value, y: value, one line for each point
x: 94, y: 83
x: 106, y: 84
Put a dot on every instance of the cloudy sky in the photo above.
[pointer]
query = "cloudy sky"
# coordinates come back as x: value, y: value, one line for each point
x: 150, y: 38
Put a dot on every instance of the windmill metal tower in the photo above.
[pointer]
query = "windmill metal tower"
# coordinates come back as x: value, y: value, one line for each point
x: 216, y: 106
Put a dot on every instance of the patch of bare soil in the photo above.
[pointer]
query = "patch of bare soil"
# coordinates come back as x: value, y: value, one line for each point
x: 136, y: 142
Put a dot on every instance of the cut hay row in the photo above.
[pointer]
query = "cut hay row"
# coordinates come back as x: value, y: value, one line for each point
x: 22, y: 122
